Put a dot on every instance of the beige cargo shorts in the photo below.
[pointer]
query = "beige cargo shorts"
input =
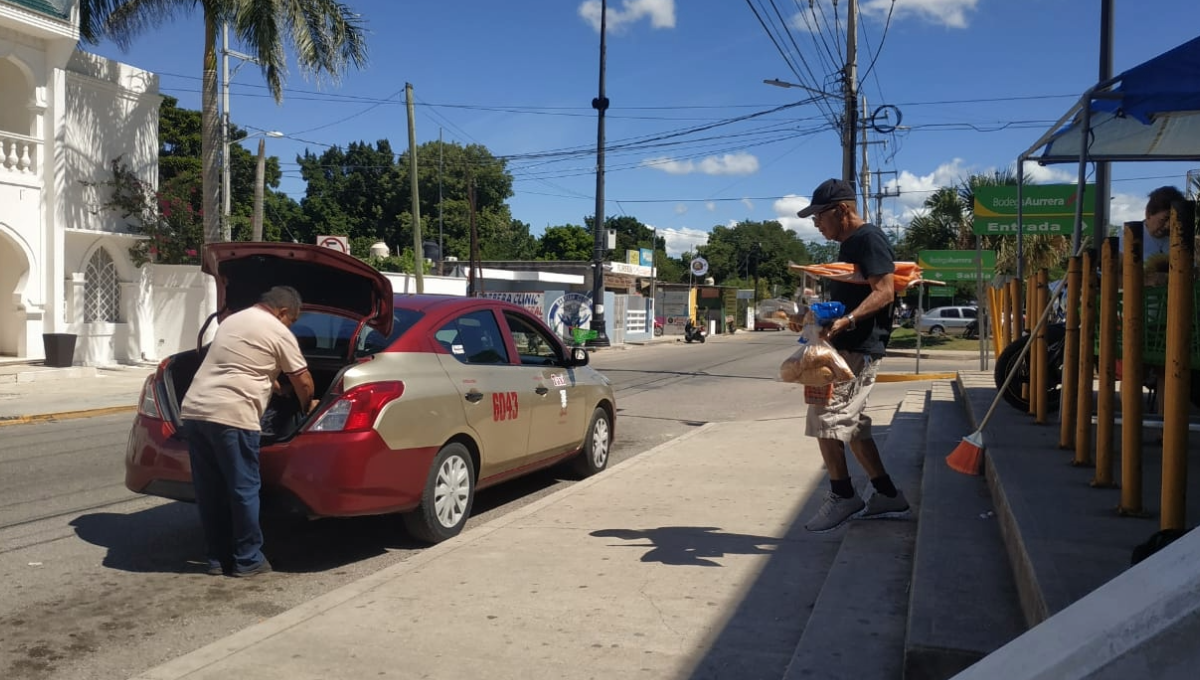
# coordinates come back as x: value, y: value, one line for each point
x: 844, y: 417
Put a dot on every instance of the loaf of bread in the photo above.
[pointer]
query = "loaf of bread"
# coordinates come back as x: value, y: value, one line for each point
x: 815, y: 365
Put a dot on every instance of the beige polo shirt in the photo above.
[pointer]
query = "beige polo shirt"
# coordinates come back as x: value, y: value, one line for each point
x: 233, y: 384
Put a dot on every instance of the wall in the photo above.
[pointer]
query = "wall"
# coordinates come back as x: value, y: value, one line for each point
x: 180, y: 298
x: 432, y: 285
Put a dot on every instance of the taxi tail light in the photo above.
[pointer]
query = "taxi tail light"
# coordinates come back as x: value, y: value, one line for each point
x: 357, y: 409
x: 148, y: 402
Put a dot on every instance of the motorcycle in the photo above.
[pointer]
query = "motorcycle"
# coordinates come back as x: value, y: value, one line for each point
x: 693, y: 332
x: 1056, y: 334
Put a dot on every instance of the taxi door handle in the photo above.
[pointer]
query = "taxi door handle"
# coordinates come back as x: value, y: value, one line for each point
x: 473, y: 396
x: 541, y: 389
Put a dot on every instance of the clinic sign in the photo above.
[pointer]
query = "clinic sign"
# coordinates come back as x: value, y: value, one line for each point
x: 1047, y: 209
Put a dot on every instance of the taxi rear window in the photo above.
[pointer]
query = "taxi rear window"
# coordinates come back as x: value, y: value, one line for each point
x: 320, y: 334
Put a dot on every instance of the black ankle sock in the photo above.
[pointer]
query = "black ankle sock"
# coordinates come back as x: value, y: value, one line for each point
x: 884, y: 486
x: 843, y: 488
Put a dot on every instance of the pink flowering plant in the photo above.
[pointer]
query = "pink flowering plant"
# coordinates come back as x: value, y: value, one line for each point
x: 169, y: 219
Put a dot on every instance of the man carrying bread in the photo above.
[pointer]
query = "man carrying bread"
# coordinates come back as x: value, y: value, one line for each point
x: 861, y: 337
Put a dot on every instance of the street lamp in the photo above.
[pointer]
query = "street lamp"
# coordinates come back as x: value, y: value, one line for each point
x: 849, y: 131
x: 783, y: 83
x: 260, y: 172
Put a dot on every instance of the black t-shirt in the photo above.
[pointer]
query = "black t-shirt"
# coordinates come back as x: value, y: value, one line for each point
x: 868, y: 249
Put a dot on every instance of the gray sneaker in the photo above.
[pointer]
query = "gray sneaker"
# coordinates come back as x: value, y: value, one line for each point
x: 834, y: 512
x: 880, y: 506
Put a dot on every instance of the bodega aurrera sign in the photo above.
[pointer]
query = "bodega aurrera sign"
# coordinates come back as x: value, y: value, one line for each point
x: 1048, y: 209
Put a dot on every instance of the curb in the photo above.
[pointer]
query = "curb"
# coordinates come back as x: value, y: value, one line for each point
x: 65, y: 415
x: 913, y: 377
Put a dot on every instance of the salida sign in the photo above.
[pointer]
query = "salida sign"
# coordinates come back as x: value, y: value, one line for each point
x: 1047, y: 209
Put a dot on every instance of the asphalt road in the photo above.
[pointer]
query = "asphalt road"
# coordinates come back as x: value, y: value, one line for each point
x: 97, y: 582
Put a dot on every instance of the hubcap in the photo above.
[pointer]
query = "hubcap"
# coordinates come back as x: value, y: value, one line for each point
x: 451, y: 491
x: 600, y: 443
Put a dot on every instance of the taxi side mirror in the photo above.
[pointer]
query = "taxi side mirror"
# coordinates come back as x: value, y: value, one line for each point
x: 578, y: 357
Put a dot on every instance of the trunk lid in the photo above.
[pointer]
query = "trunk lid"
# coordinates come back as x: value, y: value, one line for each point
x: 327, y: 280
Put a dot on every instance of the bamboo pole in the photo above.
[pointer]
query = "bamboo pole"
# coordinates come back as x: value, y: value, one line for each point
x: 1043, y: 374
x: 1105, y: 401
x: 1032, y: 312
x: 1132, y: 373
x: 1066, y: 436
x: 1087, y: 356
x: 1178, y: 366
x: 1004, y: 331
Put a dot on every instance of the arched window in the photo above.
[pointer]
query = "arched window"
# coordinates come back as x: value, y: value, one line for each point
x: 101, y: 291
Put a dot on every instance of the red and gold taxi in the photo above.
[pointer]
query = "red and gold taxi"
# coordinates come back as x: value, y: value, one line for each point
x: 424, y: 399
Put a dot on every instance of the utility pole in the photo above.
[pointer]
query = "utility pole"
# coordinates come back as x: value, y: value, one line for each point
x: 473, y: 283
x: 1103, y: 178
x: 882, y: 193
x: 864, y: 183
x: 226, y: 192
x: 260, y: 175
x: 418, y: 250
x: 226, y: 205
x: 441, y: 239
x: 850, y: 90
x: 600, y: 103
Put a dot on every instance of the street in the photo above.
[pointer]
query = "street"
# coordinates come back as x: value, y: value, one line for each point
x: 97, y: 582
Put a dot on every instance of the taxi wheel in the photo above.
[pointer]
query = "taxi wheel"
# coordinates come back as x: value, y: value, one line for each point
x: 447, y: 498
x: 593, y: 457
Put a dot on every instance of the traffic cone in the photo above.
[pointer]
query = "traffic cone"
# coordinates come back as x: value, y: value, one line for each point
x: 967, y: 457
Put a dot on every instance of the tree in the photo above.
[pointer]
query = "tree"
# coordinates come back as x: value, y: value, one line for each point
x: 569, y: 242
x: 739, y: 254
x: 325, y: 35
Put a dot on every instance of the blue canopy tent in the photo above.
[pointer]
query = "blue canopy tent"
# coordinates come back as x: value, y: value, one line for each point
x: 1150, y: 112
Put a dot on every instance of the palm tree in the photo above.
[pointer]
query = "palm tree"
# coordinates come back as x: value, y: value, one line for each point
x: 324, y: 34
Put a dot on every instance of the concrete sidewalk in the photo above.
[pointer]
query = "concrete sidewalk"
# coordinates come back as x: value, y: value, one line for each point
x: 32, y: 392
x: 689, y: 560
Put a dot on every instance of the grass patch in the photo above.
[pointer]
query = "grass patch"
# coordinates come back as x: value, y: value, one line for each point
x: 906, y: 338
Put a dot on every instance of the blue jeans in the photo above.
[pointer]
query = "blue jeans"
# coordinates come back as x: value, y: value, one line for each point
x: 227, y: 481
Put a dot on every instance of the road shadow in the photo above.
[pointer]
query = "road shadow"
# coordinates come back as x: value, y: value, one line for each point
x: 168, y: 539
x: 689, y: 546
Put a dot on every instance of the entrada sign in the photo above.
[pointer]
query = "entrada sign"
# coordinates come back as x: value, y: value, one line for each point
x: 1047, y: 209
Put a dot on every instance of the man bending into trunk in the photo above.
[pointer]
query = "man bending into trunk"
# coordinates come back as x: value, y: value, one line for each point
x: 221, y: 416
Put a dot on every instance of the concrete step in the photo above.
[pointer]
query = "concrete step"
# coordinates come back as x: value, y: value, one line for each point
x: 964, y: 602
x: 856, y: 628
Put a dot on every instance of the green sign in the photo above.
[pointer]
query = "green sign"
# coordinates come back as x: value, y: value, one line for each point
x: 939, y: 291
x: 582, y: 335
x: 1048, y: 209
x: 956, y: 265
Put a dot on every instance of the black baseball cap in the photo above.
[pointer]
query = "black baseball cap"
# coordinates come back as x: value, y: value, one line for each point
x: 831, y: 191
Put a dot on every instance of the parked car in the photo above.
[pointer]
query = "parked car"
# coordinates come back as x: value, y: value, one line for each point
x: 941, y: 319
x: 424, y: 399
x: 772, y: 315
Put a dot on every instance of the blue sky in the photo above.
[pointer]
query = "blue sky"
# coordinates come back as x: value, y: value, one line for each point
x: 976, y: 81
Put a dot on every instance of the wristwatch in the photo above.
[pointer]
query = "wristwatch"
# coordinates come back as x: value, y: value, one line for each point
x: 850, y: 320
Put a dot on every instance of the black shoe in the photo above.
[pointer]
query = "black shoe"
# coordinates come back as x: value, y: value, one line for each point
x: 215, y: 570
x: 263, y: 567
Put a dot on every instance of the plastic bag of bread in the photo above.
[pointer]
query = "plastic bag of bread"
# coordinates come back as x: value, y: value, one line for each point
x: 815, y: 363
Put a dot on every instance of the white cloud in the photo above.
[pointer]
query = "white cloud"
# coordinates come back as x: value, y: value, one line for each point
x: 710, y: 206
x: 682, y: 240
x: 681, y: 208
x: 1126, y: 208
x: 749, y: 204
x: 660, y: 12
x: 948, y: 13
x: 785, y: 210
x: 1050, y: 174
x: 740, y: 163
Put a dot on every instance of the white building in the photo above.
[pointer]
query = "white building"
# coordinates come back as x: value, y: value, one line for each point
x: 65, y: 115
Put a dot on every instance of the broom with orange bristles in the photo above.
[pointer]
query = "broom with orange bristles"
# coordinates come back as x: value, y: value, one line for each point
x: 967, y: 457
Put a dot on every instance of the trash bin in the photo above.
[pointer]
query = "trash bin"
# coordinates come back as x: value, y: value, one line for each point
x: 60, y: 349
